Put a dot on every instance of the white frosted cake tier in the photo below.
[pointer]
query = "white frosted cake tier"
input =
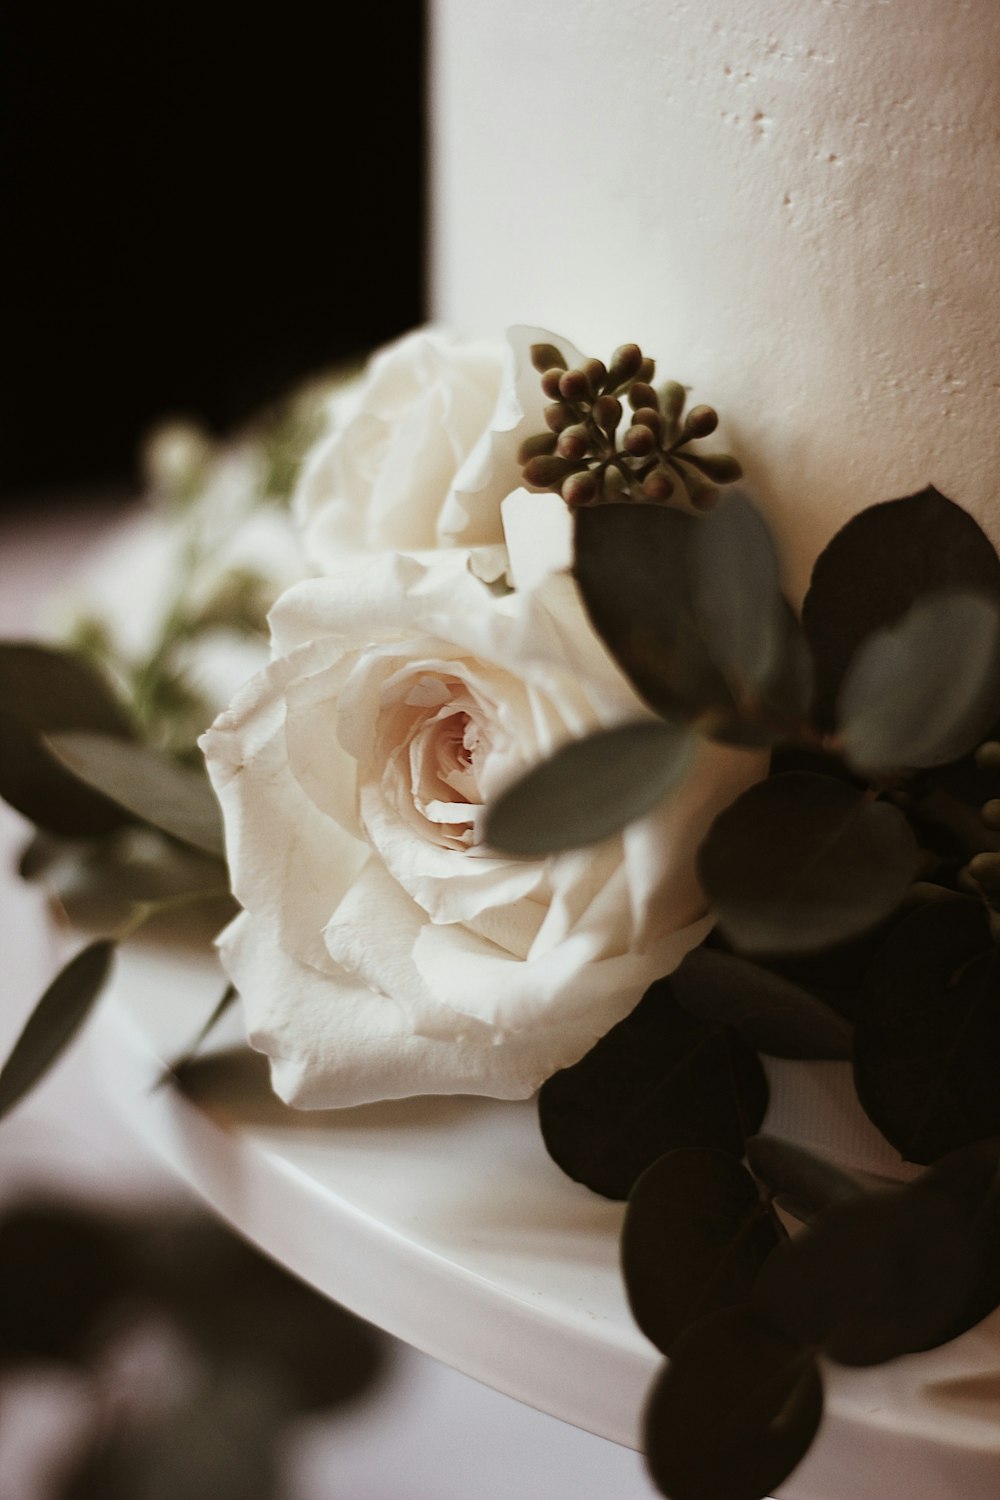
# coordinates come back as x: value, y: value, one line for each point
x: 791, y: 204
x: 444, y: 1222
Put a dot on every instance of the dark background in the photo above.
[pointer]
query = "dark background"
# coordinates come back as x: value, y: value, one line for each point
x: 200, y: 206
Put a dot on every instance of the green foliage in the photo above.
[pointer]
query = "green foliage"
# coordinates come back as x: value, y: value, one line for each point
x: 589, y: 789
x: 696, y: 1234
x: 927, y: 1039
x: 660, y: 1079
x: 55, y: 1021
x: 777, y: 1017
x: 44, y: 691
x: 147, y: 784
x: 804, y: 861
x: 733, y: 1412
x: 800, y: 1182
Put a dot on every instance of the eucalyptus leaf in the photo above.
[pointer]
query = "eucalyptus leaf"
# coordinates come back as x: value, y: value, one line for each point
x: 777, y: 1017
x: 696, y: 1233
x: 736, y: 596
x: 804, y: 861
x: 43, y: 690
x: 927, y: 1037
x: 969, y: 1180
x: 923, y: 692
x: 887, y: 1274
x: 878, y: 566
x: 659, y: 1080
x: 151, y: 786
x: 733, y: 1412
x: 590, y: 789
x: 178, y: 1067
x: 54, y: 1021
x: 630, y: 564
x: 802, y: 1183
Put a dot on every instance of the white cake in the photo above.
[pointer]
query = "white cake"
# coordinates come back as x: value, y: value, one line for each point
x: 791, y: 204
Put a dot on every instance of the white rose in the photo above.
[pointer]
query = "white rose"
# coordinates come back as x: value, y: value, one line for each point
x: 383, y: 951
x: 424, y: 448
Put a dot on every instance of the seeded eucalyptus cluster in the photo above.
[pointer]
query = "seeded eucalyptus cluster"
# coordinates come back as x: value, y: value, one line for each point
x: 589, y: 457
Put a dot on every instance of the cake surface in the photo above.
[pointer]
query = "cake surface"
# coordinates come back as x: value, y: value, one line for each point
x: 791, y: 204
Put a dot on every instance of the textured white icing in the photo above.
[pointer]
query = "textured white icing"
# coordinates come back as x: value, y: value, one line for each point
x: 790, y: 203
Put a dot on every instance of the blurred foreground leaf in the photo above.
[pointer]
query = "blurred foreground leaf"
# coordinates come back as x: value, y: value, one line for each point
x: 777, y: 1017
x: 151, y: 786
x: 802, y: 1183
x: 54, y: 1021
x: 590, y: 789
x: 43, y: 691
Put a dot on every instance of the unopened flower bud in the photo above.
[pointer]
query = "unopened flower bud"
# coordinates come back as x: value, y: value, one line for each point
x: 558, y: 416
x: 701, y: 420
x: 672, y: 398
x: 648, y: 416
x: 990, y: 812
x: 607, y: 413
x: 658, y: 486
x: 641, y: 393
x: 625, y: 364
x: 596, y: 372
x: 550, y: 382
x: 639, y: 442
x: 546, y: 471
x: 647, y: 369
x: 573, y: 442
x: 988, y: 756
x: 579, y: 489
x: 533, y: 447
x: 574, y: 386
x: 545, y: 356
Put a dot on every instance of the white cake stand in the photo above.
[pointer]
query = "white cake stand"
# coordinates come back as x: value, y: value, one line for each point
x: 444, y: 1222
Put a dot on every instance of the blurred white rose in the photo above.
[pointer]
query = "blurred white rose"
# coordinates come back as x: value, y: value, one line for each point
x: 424, y: 448
x: 383, y: 950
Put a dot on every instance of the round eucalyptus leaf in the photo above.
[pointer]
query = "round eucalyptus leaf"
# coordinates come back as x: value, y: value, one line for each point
x: 803, y: 861
x: 923, y: 691
x: 927, y: 1036
x: 880, y: 564
x: 54, y: 1021
x: 733, y: 1412
x: 660, y: 1079
x: 631, y: 567
x: 590, y: 789
x: 43, y: 690
x: 802, y: 1183
x: 696, y: 1234
x: 883, y: 1275
x: 777, y: 1017
x: 151, y: 786
x: 969, y: 1180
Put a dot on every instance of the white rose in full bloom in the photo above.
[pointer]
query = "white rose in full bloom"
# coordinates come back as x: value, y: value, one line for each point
x: 424, y: 448
x: 383, y: 950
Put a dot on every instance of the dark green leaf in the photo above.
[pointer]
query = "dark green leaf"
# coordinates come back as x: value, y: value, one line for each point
x: 630, y: 563
x: 802, y: 1183
x: 879, y: 1276
x: 589, y: 789
x: 969, y: 1180
x: 804, y: 861
x: 880, y: 564
x: 736, y: 594
x: 695, y: 1236
x: 44, y: 690
x: 658, y: 1080
x: 148, y: 784
x: 927, y: 1037
x: 777, y: 1017
x: 54, y: 1021
x: 924, y: 691
x: 733, y: 1412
